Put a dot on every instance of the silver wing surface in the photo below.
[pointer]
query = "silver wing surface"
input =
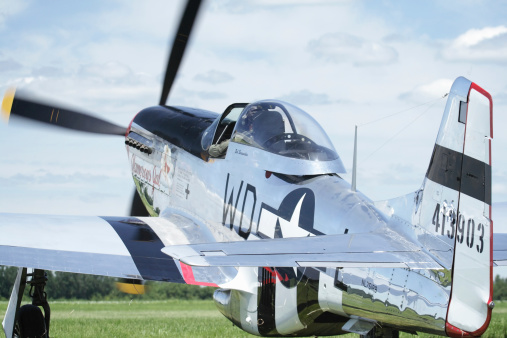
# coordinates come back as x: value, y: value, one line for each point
x: 500, y: 239
x: 110, y: 246
x: 500, y: 249
x: 348, y: 250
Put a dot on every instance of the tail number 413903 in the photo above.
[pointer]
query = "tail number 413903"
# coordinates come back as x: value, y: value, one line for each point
x: 445, y: 223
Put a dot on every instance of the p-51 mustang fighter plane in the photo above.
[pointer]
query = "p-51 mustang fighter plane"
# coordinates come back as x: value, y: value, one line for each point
x: 251, y: 202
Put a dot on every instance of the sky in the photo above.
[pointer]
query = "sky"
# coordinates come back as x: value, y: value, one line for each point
x: 344, y: 62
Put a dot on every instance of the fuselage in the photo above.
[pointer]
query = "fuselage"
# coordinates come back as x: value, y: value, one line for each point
x: 233, y: 199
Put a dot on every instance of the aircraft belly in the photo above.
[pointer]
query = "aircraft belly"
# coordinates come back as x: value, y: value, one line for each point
x: 397, y: 297
x: 288, y: 304
x: 286, y: 310
x: 330, y: 296
x: 248, y: 312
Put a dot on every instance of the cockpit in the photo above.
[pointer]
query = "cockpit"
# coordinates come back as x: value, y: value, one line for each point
x: 285, y: 130
x: 275, y: 135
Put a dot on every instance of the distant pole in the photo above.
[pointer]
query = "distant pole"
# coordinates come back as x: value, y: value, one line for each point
x: 354, y: 164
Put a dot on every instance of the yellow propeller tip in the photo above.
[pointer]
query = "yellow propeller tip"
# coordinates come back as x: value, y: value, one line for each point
x: 133, y: 289
x: 7, y: 104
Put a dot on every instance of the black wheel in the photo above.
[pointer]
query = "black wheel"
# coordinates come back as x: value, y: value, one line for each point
x: 31, y: 322
x: 379, y: 332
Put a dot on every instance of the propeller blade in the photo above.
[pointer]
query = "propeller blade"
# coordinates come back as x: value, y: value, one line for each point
x: 137, y: 207
x: 179, y: 45
x: 20, y: 105
x: 131, y: 286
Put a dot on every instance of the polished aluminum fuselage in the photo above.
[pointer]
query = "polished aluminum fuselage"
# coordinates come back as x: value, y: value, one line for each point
x: 234, y: 199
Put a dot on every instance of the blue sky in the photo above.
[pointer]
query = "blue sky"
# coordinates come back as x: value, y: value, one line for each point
x: 344, y: 62
x: 438, y: 19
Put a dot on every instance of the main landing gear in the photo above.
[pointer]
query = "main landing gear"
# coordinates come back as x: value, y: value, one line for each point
x: 28, y: 320
x: 384, y: 332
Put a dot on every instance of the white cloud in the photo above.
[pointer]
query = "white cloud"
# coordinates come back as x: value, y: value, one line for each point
x: 499, y: 188
x: 50, y: 179
x: 9, y: 65
x: 306, y: 97
x: 110, y: 71
x: 295, y: 2
x: 187, y: 97
x: 475, y: 36
x: 214, y: 77
x: 47, y: 71
x: 425, y: 92
x: 343, y: 47
x: 247, y: 6
x: 480, y: 45
x: 10, y: 8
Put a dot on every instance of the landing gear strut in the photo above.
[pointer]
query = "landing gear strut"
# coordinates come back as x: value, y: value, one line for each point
x: 28, y: 320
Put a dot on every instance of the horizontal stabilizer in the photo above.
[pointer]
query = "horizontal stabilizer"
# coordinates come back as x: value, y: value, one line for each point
x: 351, y: 250
x: 500, y: 249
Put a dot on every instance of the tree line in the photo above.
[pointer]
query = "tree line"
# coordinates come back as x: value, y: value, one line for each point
x: 62, y: 285
x: 500, y: 288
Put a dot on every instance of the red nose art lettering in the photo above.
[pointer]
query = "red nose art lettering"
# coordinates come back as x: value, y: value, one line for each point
x: 156, y: 177
x: 140, y: 171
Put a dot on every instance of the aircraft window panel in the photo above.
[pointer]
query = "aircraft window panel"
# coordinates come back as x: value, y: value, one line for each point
x: 207, y: 137
x: 283, y: 129
x: 226, y: 126
x: 215, y: 138
x: 233, y: 115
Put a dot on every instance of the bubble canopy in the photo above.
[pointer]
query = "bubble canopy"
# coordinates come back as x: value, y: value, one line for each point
x: 283, y: 129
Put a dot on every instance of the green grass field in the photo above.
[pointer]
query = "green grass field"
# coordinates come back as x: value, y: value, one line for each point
x: 169, y: 318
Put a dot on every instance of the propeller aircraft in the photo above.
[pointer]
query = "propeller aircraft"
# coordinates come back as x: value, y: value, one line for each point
x: 251, y: 201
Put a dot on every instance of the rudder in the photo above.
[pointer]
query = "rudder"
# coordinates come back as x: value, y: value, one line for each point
x: 455, y: 205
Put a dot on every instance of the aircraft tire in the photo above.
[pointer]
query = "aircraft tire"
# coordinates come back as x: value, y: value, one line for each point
x: 378, y: 332
x: 31, y: 321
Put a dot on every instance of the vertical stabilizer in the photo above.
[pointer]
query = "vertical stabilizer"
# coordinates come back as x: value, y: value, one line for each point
x: 455, y: 205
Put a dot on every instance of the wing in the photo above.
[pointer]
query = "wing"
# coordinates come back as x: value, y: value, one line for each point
x: 350, y: 250
x: 125, y: 247
x: 111, y: 246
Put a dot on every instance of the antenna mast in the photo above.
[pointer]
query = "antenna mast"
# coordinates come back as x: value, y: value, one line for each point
x: 354, y: 162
